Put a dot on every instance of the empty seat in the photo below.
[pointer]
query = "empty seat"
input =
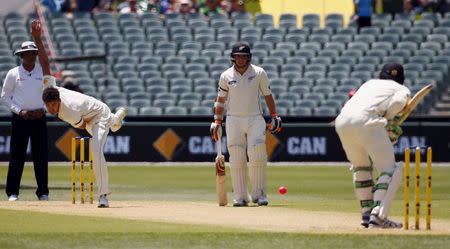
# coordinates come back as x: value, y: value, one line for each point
x: 325, y: 111
x: 201, y: 110
x: 175, y: 110
x: 150, y: 110
x: 300, y: 111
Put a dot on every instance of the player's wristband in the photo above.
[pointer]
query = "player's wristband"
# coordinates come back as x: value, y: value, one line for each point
x: 218, y: 121
x: 274, y: 115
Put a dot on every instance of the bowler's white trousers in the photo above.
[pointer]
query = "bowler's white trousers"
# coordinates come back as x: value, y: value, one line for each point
x: 98, y: 128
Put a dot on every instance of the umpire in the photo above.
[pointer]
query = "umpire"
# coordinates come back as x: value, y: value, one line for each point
x: 22, y: 93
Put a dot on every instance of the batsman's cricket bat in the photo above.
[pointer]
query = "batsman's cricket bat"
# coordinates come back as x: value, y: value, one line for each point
x: 413, y: 102
x: 221, y: 180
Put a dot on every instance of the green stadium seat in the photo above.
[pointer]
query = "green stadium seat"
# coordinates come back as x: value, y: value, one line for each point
x: 175, y: 110
x: 166, y: 96
x: 366, y: 38
x: 358, y: 45
x: 391, y: 38
x: 424, y: 23
x: 150, y: 110
x: 353, y: 53
x: 437, y: 38
x: 393, y: 30
x: 201, y: 111
x: 308, y: 103
x: 324, y: 111
x: 139, y: 95
x: 154, y: 89
x: 299, y: 89
x: 139, y: 103
x: 417, y: 38
x: 412, y: 46
x: 300, y: 111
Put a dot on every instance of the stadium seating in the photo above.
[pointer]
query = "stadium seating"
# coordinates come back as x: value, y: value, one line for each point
x: 170, y: 65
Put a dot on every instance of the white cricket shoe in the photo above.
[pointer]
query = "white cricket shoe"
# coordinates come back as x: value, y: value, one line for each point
x: 13, y: 198
x: 240, y: 203
x: 103, y: 202
x: 261, y: 201
x: 120, y: 114
x: 43, y: 198
x: 377, y: 222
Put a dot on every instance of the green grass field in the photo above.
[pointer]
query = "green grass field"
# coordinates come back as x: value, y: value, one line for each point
x: 315, y: 188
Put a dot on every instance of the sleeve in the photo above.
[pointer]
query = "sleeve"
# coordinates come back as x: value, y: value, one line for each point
x: 264, y: 84
x: 7, y: 92
x: 397, y: 103
x: 49, y: 81
x: 223, y: 87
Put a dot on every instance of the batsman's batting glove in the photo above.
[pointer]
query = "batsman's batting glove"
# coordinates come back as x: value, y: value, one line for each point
x: 274, y: 126
x: 216, y: 130
x: 394, y: 132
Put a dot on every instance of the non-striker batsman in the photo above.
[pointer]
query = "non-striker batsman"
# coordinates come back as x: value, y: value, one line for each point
x: 240, y: 89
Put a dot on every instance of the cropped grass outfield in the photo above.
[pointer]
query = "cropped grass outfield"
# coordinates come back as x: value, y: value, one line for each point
x: 318, y: 188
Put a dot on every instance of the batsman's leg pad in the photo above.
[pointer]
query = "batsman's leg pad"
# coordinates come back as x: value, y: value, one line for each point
x: 389, y: 195
x: 238, y: 168
x: 363, y: 184
x: 381, y: 188
x: 257, y: 156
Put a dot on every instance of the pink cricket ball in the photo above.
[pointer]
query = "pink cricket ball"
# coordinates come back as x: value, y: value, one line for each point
x: 282, y: 190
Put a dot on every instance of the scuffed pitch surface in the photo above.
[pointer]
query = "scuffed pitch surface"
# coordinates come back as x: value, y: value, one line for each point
x: 276, y: 219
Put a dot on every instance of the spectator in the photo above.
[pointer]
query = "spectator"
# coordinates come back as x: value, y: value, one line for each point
x: 53, y: 5
x: 238, y: 6
x: 130, y: 6
x: 225, y: 5
x: 87, y: 5
x: 415, y: 6
x: 438, y: 6
x: 186, y: 7
x: 22, y: 91
x: 209, y: 6
x: 363, y: 11
x: 69, y: 7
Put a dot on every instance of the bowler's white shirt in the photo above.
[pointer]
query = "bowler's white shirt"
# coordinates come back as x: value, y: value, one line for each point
x: 77, y: 108
x: 244, y: 90
x: 22, y: 90
x: 376, y: 102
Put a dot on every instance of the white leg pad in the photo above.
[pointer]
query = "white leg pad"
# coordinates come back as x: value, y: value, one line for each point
x: 257, y: 156
x: 389, y: 196
x: 363, y: 183
x: 238, y: 168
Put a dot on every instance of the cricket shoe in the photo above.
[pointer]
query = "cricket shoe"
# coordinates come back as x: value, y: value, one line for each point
x: 120, y: 114
x: 240, y: 203
x: 365, y: 219
x: 43, y: 198
x: 13, y: 198
x: 103, y: 202
x: 377, y: 222
x: 261, y: 201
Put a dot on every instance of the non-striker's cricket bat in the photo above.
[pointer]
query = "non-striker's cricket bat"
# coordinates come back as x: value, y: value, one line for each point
x: 221, y: 180
x: 413, y: 102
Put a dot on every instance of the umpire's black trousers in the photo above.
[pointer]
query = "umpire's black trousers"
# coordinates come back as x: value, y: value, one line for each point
x: 36, y: 131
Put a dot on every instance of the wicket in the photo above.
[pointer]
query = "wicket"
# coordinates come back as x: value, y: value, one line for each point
x: 82, y: 141
x: 417, y: 187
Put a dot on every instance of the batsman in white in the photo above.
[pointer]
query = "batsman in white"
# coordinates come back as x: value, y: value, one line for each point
x: 239, y: 92
x: 367, y: 131
x: 83, y: 112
